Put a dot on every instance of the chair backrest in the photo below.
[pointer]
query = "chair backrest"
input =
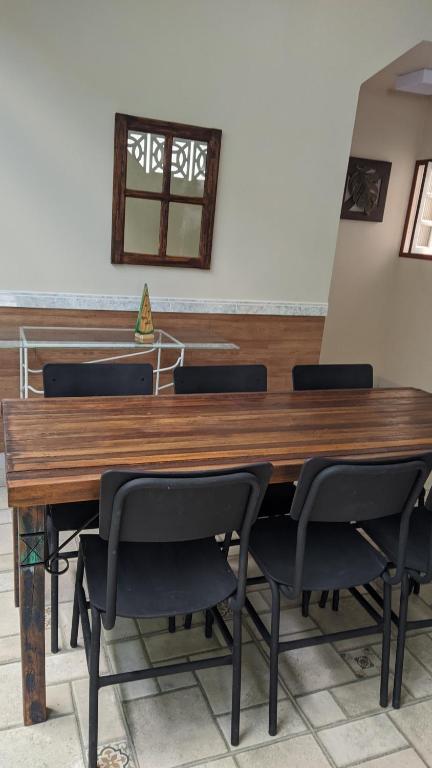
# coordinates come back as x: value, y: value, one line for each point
x: 213, y: 379
x: 344, y: 491
x: 97, y: 379
x: 344, y: 376
x: 175, y: 507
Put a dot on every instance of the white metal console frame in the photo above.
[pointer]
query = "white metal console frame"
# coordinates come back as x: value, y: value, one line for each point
x: 163, y: 340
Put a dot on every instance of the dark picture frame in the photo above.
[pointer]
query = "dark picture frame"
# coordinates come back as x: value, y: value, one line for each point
x: 365, y: 189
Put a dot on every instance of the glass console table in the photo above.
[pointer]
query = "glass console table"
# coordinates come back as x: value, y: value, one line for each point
x: 119, y: 344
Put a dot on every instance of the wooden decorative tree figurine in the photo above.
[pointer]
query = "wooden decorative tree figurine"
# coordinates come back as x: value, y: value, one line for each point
x: 144, y: 330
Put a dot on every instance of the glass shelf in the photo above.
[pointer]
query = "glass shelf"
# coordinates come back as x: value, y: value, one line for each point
x: 65, y: 337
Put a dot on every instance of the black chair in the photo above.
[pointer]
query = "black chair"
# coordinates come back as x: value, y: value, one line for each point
x: 418, y: 570
x: 340, y: 376
x: 213, y: 379
x: 84, y: 380
x: 223, y: 379
x: 318, y: 547
x: 218, y: 379
x: 156, y: 555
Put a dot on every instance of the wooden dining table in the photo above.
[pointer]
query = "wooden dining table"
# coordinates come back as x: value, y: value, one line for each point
x: 56, y: 450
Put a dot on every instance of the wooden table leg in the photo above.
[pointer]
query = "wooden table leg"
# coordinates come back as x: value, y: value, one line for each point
x: 15, y: 555
x: 31, y: 523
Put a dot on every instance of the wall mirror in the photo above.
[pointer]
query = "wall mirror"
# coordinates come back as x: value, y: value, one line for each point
x: 164, y: 192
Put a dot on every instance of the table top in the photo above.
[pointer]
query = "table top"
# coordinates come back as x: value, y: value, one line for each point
x: 69, y: 337
x: 56, y: 449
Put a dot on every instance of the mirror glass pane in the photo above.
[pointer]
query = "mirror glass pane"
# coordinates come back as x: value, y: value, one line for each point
x: 145, y: 154
x: 184, y: 229
x: 142, y: 218
x: 188, y: 167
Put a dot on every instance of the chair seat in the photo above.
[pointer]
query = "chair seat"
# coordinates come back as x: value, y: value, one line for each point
x: 70, y: 517
x: 385, y: 533
x: 159, y: 579
x: 277, y: 499
x: 336, y: 556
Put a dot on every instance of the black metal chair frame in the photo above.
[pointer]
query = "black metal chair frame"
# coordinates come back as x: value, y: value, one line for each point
x: 314, y: 473
x: 219, y: 379
x: 113, y: 506
x: 330, y: 376
x: 78, y: 380
x: 410, y: 583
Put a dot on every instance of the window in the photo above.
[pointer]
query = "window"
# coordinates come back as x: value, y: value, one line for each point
x: 164, y: 192
x: 417, y: 234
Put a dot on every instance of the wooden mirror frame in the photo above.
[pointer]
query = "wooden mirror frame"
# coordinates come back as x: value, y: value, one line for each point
x: 125, y: 123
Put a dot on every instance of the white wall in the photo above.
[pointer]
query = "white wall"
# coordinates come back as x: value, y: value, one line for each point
x: 279, y: 77
x: 379, y: 304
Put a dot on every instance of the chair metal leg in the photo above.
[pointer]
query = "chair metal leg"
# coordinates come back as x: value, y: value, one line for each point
x: 323, y: 599
x: 94, y: 688
x: 188, y: 621
x: 75, y: 611
x: 236, y: 679
x: 400, y: 650
x: 335, y: 600
x: 171, y: 624
x: 274, y: 658
x: 385, y: 662
x: 209, y: 624
x: 53, y: 539
x: 306, y: 596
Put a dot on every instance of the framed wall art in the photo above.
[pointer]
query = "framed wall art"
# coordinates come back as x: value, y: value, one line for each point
x: 365, y: 189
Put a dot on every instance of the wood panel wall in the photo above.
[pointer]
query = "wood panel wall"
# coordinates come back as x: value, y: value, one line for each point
x: 276, y: 341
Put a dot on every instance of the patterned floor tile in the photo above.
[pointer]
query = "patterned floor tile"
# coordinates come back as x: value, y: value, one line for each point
x: 9, y: 624
x: 59, y: 700
x: 415, y: 723
x: 311, y: 669
x: 364, y: 662
x: 181, y: 643
x: 421, y: 647
x: 6, y: 581
x: 349, y: 616
x: 291, y: 621
x: 217, y: 682
x: 6, y: 562
x: 254, y: 724
x: 10, y: 649
x: 362, y: 739
x: 172, y: 729
x: 406, y: 758
x: 3, y: 490
x: 115, y: 755
x: 320, y: 708
x: 127, y: 656
x: 362, y: 697
x: 301, y: 752
x: 69, y: 665
x: 5, y: 538
x: 111, y: 726
x: 10, y: 700
x: 174, y: 682
x: 5, y: 514
x: 53, y: 744
x: 122, y: 629
x: 416, y: 679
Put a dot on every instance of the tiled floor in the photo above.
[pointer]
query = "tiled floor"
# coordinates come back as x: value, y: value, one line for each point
x: 328, y: 710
